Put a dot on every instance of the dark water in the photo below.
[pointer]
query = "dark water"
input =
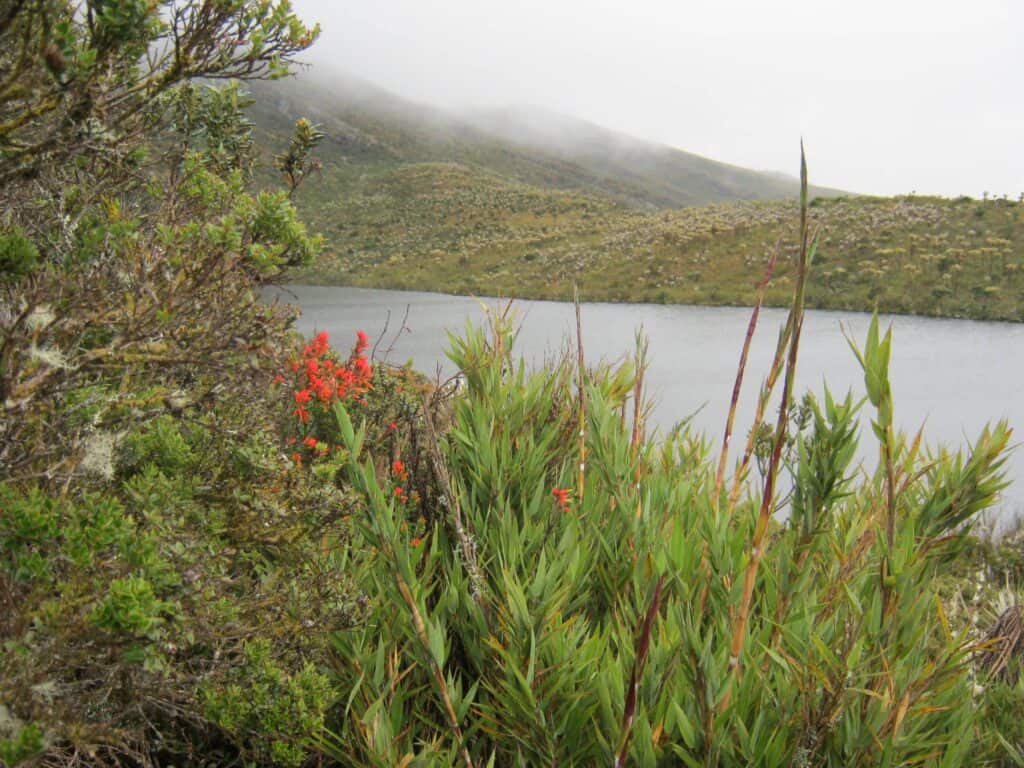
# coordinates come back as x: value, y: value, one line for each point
x: 952, y: 376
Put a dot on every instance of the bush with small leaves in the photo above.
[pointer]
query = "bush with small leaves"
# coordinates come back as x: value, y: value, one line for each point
x: 274, y: 715
x: 130, y: 609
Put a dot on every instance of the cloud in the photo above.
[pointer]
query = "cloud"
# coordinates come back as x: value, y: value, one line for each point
x: 889, y: 96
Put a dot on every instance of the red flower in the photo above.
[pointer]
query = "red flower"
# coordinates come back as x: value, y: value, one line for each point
x: 562, y: 497
x: 302, y: 396
x: 323, y: 389
x: 398, y: 468
x: 310, y: 441
x: 416, y: 541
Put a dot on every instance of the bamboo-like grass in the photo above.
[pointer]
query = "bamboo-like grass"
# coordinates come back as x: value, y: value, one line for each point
x: 648, y: 624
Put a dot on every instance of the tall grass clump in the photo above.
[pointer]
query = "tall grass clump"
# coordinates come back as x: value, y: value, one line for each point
x: 633, y: 608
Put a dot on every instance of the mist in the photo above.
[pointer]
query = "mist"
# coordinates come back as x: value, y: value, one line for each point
x: 890, y: 98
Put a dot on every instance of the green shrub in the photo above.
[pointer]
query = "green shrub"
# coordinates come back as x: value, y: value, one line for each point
x: 96, y: 525
x: 18, y: 256
x: 29, y: 526
x: 130, y: 608
x: 24, y: 745
x: 159, y: 443
x: 274, y: 716
x: 1001, y: 706
x: 600, y: 626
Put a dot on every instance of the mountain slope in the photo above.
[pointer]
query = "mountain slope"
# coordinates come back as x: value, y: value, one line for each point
x: 370, y: 130
x: 670, y: 177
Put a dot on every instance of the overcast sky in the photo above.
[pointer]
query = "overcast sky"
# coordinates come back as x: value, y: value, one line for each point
x: 891, y: 96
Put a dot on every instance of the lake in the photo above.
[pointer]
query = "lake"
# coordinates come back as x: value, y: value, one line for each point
x: 952, y: 376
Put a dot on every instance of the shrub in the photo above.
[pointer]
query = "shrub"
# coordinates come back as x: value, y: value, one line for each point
x: 574, y: 631
x: 160, y: 444
x: 18, y: 256
x: 24, y: 745
x: 130, y: 609
x: 275, y: 715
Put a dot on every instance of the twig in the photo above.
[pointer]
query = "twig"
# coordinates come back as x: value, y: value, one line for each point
x: 581, y: 379
x: 767, y: 497
x: 462, y: 534
x: 737, y: 386
x: 403, y: 328
x: 438, y: 673
x: 643, y: 644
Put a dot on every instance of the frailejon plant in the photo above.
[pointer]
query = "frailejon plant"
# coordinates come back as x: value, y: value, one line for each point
x: 661, y: 616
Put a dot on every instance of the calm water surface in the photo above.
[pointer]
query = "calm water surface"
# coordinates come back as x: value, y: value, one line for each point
x: 952, y: 376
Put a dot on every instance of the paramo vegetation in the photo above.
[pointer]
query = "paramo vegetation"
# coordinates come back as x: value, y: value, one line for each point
x: 221, y: 544
x: 458, y: 229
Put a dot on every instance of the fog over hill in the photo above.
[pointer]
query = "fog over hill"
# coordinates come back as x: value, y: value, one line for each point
x: 370, y: 127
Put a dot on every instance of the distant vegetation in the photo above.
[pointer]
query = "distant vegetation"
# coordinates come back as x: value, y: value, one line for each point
x: 525, y: 203
x: 451, y: 228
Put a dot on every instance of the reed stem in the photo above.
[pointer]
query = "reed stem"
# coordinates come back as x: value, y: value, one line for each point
x: 768, y: 495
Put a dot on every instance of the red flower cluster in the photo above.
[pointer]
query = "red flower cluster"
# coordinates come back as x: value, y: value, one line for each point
x: 400, y: 474
x: 320, y: 379
x: 562, y: 497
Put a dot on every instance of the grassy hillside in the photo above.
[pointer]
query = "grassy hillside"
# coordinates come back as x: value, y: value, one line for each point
x: 451, y: 228
x: 370, y: 131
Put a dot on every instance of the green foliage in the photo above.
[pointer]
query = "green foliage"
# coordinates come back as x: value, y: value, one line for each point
x: 296, y: 164
x: 211, y: 122
x: 38, y: 533
x: 158, y: 443
x: 26, y: 744
x: 274, y: 714
x: 97, y: 526
x: 18, y: 256
x: 83, y: 83
x: 28, y: 527
x: 130, y: 608
x: 1002, y: 714
x: 279, y: 237
x: 821, y: 480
